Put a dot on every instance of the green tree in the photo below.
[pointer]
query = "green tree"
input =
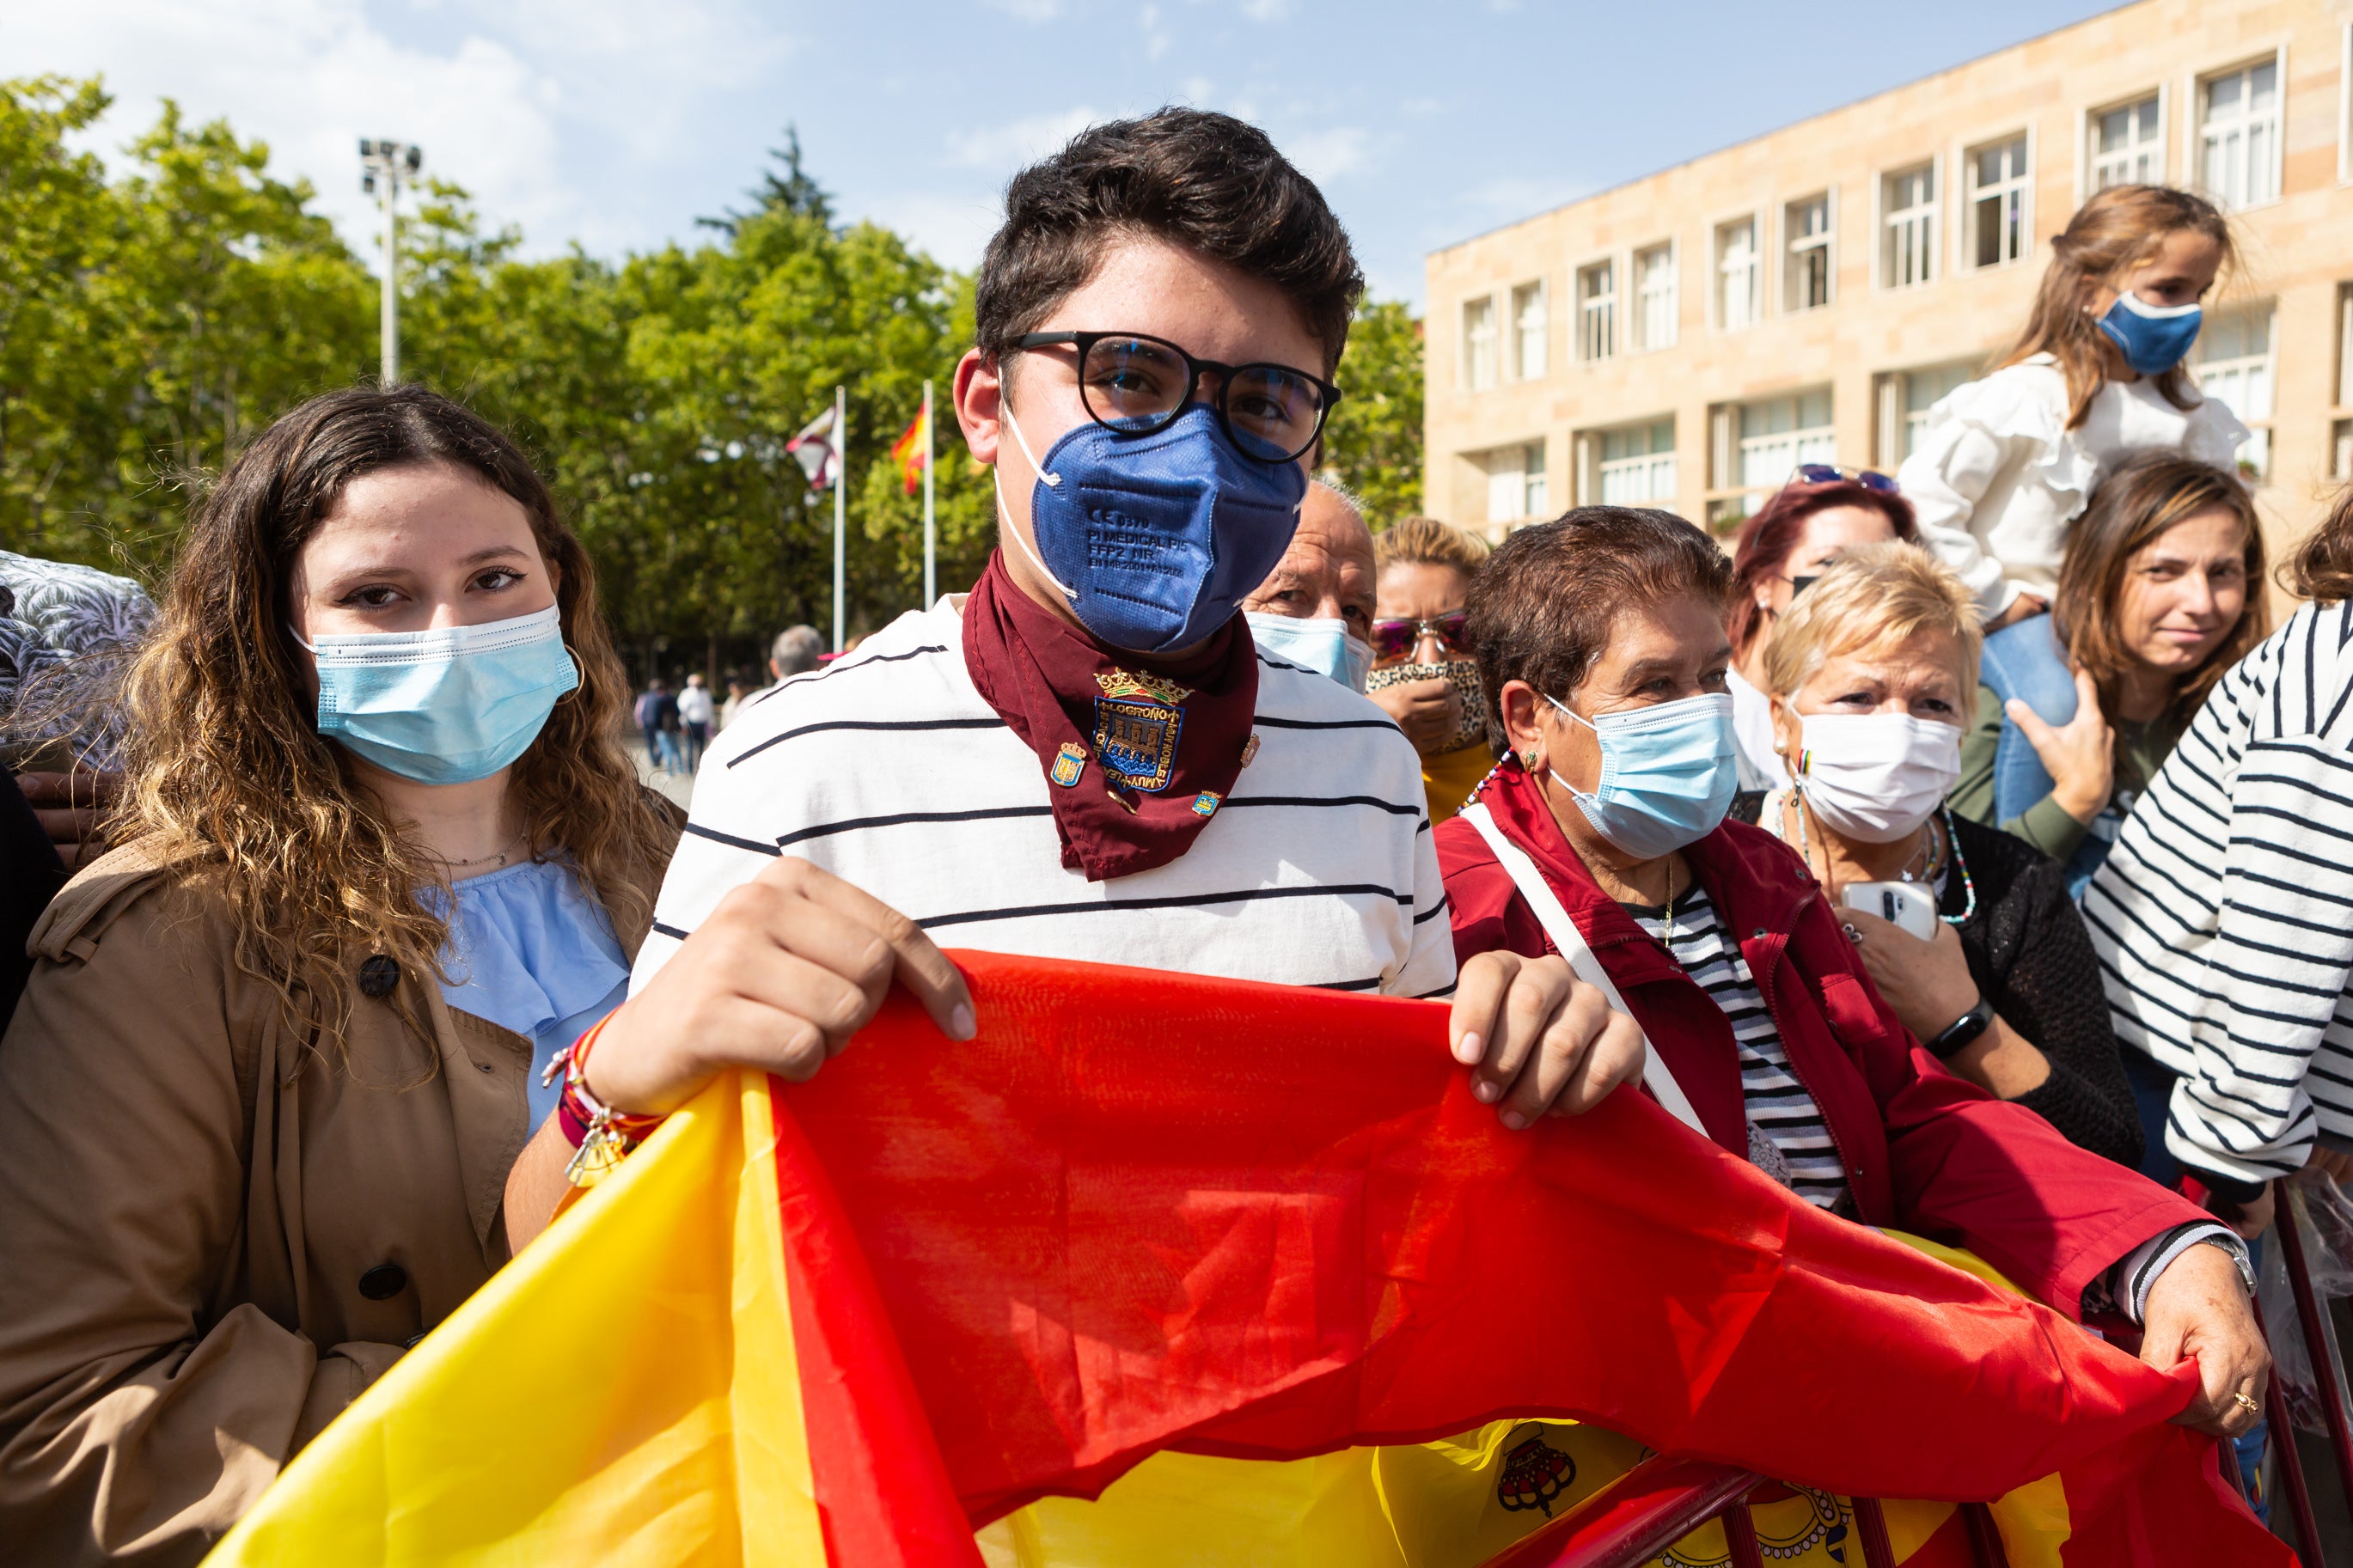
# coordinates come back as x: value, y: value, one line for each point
x: 1374, y: 441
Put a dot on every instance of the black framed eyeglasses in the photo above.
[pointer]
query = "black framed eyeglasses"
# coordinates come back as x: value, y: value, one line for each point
x: 1139, y: 385
x: 1833, y: 474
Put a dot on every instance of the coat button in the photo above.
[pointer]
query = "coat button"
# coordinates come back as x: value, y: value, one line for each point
x: 378, y: 975
x: 384, y: 1282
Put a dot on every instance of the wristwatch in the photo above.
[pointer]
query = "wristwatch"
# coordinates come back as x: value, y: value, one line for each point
x: 1962, y: 1030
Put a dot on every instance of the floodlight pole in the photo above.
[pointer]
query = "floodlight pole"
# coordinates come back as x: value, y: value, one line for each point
x: 385, y: 166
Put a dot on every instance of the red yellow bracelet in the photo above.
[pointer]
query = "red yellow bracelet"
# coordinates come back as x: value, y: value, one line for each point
x: 599, y: 1135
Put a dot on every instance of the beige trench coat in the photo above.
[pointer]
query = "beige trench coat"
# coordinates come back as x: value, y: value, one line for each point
x: 213, y: 1238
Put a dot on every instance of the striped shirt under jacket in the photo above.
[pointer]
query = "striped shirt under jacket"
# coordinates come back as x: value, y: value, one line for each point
x: 2224, y: 918
x: 889, y: 770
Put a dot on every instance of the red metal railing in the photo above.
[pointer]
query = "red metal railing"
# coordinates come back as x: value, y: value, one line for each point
x: 1663, y: 1498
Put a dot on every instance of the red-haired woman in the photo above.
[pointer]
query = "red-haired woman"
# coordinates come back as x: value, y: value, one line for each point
x: 1820, y: 513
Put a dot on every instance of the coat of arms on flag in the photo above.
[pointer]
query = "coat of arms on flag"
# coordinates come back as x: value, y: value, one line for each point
x: 818, y: 449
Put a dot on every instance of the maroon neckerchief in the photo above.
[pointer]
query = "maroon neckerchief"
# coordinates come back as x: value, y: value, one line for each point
x: 1138, y: 753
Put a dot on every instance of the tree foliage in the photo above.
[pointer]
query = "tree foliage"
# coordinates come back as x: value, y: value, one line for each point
x: 154, y: 321
x: 1373, y: 442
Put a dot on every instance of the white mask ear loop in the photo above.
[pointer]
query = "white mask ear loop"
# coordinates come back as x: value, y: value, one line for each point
x: 1005, y: 406
x: 1566, y: 712
x: 307, y: 648
x: 1004, y: 518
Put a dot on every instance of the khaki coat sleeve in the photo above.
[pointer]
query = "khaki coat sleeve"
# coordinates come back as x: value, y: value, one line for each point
x: 139, y: 1415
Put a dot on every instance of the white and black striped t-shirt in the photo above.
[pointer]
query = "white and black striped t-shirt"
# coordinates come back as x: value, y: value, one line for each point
x: 1778, y: 1105
x: 2223, y: 919
x: 890, y: 771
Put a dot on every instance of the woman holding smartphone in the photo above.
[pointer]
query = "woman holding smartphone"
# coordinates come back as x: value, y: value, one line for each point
x: 1872, y: 676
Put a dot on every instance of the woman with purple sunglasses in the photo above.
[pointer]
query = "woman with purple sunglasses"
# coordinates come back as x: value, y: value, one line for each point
x: 1423, y: 675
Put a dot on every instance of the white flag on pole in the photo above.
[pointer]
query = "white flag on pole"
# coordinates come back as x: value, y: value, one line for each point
x: 818, y: 450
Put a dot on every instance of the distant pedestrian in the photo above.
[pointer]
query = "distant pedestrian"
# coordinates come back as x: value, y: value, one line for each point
x: 797, y: 651
x: 696, y: 715
x: 658, y: 717
x: 736, y: 692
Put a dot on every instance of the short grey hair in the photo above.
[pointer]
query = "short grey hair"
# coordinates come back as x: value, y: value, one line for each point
x: 795, y: 650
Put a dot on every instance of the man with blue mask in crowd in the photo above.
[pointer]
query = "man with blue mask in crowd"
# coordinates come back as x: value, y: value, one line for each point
x: 1315, y: 608
x: 1087, y: 757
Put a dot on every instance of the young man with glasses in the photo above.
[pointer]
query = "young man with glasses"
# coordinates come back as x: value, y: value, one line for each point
x: 1086, y: 757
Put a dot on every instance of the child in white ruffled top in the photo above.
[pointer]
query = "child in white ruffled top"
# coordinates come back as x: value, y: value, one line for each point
x: 2008, y: 461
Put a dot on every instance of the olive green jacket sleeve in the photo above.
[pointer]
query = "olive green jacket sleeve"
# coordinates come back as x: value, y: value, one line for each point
x: 2046, y: 824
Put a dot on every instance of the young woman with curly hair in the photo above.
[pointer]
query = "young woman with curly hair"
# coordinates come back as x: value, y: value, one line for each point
x: 380, y: 856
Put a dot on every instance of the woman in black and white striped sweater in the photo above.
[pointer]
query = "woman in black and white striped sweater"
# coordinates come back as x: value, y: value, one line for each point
x: 2224, y: 918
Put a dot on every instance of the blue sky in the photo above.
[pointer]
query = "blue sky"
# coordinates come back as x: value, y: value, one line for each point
x: 616, y: 123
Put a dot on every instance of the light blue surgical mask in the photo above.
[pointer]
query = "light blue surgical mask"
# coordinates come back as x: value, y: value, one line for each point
x: 1322, y: 643
x: 1667, y: 772
x: 1156, y: 540
x: 2153, y: 337
x: 445, y: 706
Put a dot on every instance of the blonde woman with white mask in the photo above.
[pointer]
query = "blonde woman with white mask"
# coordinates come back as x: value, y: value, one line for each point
x: 1872, y: 677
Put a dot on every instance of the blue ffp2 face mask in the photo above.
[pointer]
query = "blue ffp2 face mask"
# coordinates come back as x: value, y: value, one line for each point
x: 1322, y: 643
x: 1667, y: 774
x: 447, y: 706
x: 1156, y: 540
x: 2153, y: 337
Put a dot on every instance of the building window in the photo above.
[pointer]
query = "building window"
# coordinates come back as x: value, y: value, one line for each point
x: 2239, y: 135
x: 1529, y: 333
x: 1638, y: 465
x: 1776, y: 435
x: 1596, y: 310
x: 1739, y: 269
x: 1806, y: 254
x: 2340, y: 449
x: 1999, y: 179
x: 1479, y: 343
x: 1515, y: 482
x: 2128, y: 145
x: 2234, y: 364
x: 1907, y: 204
x: 1909, y: 394
x: 1654, y: 297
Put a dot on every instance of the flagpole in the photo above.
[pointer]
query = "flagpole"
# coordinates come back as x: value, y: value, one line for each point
x: 931, y: 551
x: 841, y: 482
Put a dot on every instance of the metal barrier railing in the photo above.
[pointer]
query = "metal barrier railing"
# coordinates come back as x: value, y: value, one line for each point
x: 2327, y: 1375
x: 1658, y: 1502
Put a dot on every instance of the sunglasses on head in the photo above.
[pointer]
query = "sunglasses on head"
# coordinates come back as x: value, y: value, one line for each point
x: 1831, y: 474
x: 1399, y: 639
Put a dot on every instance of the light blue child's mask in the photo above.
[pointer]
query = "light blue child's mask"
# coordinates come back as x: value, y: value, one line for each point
x: 447, y: 706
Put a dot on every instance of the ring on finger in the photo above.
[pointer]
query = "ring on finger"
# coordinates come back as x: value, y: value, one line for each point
x: 2251, y: 1405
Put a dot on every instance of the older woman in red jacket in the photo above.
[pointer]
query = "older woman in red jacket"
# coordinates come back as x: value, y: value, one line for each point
x: 1602, y: 837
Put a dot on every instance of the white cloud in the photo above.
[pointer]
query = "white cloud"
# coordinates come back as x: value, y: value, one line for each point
x: 1031, y: 11
x: 953, y: 230
x: 507, y: 102
x: 1329, y: 155
x: 1007, y: 147
x: 1267, y: 10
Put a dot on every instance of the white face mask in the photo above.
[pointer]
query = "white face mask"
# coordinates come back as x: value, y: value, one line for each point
x: 1875, y: 777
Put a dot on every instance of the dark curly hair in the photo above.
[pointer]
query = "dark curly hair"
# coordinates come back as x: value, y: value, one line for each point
x: 1543, y: 607
x: 1208, y: 181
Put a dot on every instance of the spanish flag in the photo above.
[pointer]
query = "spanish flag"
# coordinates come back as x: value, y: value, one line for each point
x: 912, y: 450
x: 1167, y: 1270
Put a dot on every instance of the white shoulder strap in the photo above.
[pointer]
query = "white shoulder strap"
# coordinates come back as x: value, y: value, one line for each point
x: 1574, y: 948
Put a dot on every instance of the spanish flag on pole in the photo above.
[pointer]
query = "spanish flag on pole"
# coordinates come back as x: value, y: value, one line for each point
x: 912, y: 450
x: 1166, y: 1270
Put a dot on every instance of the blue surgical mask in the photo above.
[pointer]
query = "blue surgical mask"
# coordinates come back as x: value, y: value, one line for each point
x: 445, y: 706
x: 1667, y: 772
x: 2153, y: 337
x: 1156, y: 540
x: 1322, y: 643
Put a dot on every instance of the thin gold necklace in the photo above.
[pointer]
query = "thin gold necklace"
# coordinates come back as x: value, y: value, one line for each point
x: 499, y: 854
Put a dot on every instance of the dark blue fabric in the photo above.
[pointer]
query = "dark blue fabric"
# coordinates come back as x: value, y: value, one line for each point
x: 1159, y: 538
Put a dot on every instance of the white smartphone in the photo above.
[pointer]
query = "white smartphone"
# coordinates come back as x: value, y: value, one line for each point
x: 1910, y: 905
